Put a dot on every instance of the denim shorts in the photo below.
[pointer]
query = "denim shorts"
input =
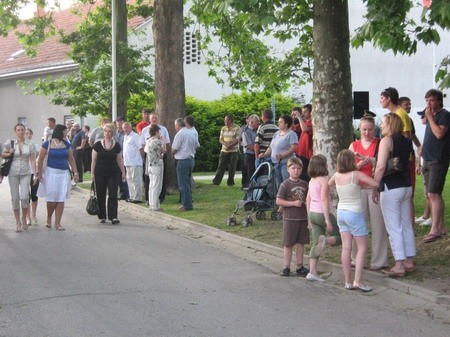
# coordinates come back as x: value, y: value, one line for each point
x: 353, y: 222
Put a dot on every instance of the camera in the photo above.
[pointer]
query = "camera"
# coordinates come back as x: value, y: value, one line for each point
x: 421, y: 113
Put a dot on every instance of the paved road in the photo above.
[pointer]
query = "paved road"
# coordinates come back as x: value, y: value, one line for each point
x: 143, y: 279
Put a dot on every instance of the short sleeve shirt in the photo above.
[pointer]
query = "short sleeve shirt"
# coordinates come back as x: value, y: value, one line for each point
x: 290, y: 191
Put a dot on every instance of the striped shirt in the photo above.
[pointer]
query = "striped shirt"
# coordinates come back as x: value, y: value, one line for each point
x: 264, y: 135
x: 230, y: 135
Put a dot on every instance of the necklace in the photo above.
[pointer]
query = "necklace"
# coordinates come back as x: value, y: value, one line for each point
x: 109, y: 147
x: 58, y: 144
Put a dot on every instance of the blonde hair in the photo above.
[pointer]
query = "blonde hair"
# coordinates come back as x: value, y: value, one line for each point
x: 294, y: 161
x: 395, y: 124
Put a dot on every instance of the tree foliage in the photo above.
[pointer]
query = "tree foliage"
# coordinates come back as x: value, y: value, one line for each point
x: 245, y: 59
x: 388, y: 27
x: 88, y: 91
x: 245, y: 30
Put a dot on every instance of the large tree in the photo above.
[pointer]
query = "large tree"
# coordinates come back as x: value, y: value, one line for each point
x: 320, y: 32
x: 170, y: 97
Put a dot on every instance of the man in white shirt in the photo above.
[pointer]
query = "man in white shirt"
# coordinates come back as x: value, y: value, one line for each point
x: 154, y: 119
x: 184, y: 146
x: 48, y: 130
x: 133, y: 163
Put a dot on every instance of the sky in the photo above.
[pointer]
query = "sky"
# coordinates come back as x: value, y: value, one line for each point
x: 29, y: 10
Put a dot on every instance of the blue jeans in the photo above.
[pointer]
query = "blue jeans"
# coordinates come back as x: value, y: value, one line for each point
x: 281, y: 172
x: 184, y: 173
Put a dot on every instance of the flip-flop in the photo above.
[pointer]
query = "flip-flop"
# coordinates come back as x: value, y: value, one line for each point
x: 48, y: 226
x: 431, y: 237
x: 60, y: 228
x: 392, y: 273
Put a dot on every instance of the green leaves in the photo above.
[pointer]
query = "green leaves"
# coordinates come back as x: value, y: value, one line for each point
x: 387, y: 26
x: 242, y: 27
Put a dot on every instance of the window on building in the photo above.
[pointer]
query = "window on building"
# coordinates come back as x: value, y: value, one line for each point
x: 192, y: 47
x: 22, y: 120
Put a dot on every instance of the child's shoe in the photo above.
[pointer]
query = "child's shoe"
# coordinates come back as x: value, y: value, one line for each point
x: 302, y: 271
x: 316, y: 278
x: 285, y: 272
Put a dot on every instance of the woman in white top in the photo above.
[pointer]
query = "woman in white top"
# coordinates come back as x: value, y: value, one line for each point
x: 22, y: 166
x: 350, y: 216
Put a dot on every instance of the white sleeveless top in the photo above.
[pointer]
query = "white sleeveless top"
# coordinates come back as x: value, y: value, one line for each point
x: 349, y: 196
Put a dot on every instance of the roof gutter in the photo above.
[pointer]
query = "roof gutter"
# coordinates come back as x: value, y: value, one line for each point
x: 39, y: 71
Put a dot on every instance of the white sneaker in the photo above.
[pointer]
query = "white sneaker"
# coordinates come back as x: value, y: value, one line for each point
x: 427, y: 222
x: 420, y: 219
x: 312, y: 278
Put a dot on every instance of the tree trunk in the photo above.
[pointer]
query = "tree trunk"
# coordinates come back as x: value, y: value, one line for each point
x: 332, y: 88
x: 122, y: 59
x: 168, y: 30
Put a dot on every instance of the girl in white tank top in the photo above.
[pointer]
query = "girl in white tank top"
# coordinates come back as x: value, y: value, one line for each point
x: 350, y: 216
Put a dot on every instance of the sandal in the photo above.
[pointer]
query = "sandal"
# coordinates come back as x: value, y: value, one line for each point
x: 49, y: 226
x: 361, y: 286
x: 392, y: 273
x: 431, y: 237
x: 60, y: 228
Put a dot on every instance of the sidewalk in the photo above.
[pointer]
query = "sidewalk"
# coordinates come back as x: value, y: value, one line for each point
x: 266, y: 251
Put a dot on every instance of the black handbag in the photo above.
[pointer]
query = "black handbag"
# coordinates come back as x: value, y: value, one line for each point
x: 6, y: 165
x: 92, y: 204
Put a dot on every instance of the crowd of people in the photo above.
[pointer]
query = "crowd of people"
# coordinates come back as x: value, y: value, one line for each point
x: 374, y: 181
x: 123, y: 164
x: 375, y: 178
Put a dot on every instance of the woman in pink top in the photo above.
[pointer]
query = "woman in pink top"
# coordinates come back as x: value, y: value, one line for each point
x: 365, y: 150
x: 321, y: 220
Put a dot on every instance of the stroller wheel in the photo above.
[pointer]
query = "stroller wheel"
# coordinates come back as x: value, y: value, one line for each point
x: 247, y: 221
x: 260, y: 215
x: 275, y: 215
x: 231, y: 220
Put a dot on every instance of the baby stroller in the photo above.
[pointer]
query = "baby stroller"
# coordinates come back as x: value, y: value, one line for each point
x: 259, y: 197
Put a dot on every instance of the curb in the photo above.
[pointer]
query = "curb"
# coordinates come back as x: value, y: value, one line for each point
x: 373, y: 277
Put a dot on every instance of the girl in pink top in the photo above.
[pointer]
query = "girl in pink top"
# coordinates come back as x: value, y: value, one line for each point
x: 320, y: 218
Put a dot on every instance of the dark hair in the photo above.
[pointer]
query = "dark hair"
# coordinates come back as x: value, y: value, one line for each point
x: 436, y: 93
x: 297, y: 108
x: 308, y: 106
x: 145, y: 110
x: 268, y: 114
x: 287, y: 119
x: 51, y: 119
x: 189, y: 120
x: 19, y: 124
x: 154, y: 128
x: 403, y: 99
x: 87, y: 127
x: 391, y: 93
x: 318, y: 166
x: 58, y: 132
x: 345, y: 161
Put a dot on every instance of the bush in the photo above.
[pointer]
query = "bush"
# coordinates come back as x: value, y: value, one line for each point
x: 209, y: 118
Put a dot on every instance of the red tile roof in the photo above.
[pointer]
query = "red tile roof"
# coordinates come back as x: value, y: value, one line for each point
x: 51, y: 52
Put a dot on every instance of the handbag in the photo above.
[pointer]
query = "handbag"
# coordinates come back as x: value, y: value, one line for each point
x: 92, y: 204
x: 6, y: 165
x: 393, y: 165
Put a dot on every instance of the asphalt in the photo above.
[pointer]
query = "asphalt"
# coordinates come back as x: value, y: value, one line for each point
x: 269, y: 252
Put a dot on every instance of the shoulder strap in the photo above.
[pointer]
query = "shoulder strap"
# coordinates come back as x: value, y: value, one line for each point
x: 93, y: 191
